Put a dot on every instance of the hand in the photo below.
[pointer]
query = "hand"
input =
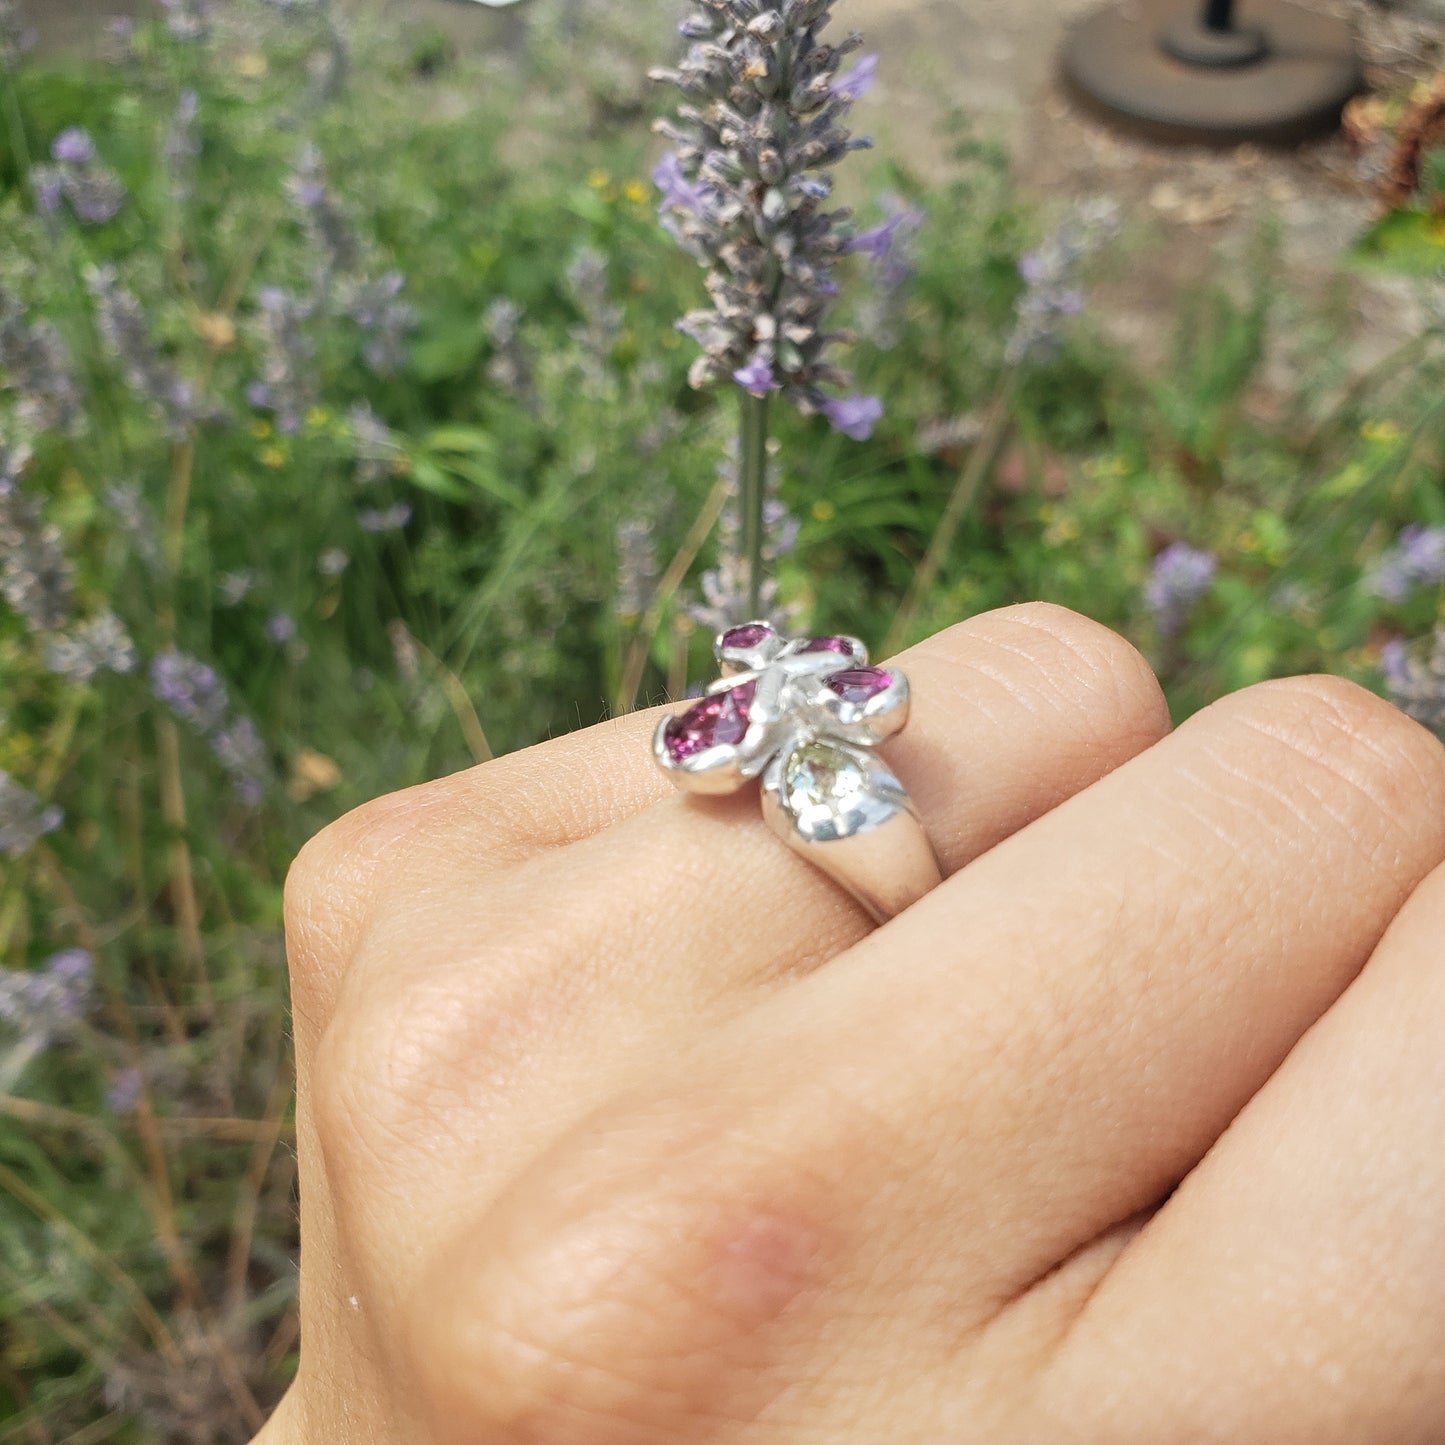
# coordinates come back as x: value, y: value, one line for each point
x: 621, y: 1125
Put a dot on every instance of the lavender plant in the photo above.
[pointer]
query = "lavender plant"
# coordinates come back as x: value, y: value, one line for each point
x: 745, y: 191
x: 1179, y: 578
x: 1415, y: 677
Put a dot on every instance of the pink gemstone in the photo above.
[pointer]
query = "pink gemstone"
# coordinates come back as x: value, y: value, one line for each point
x: 721, y: 718
x: 749, y: 636
x: 858, y: 684
x: 830, y: 644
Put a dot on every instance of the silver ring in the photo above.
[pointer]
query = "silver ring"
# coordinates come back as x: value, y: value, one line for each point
x: 807, y: 714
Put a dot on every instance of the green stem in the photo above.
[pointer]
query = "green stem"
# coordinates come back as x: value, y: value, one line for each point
x: 753, y: 471
x: 15, y: 125
x: 962, y: 498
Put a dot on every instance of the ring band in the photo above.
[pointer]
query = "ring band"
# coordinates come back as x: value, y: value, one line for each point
x: 806, y: 715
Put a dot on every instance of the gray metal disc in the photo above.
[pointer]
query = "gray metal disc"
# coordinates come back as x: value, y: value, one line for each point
x: 1115, y: 65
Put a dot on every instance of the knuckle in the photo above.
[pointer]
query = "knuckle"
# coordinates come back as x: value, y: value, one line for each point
x: 1355, y: 738
x: 329, y: 890
x: 1075, y: 662
x: 416, y: 1059
x: 611, y: 1303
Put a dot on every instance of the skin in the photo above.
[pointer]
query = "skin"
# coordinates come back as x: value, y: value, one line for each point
x: 621, y: 1125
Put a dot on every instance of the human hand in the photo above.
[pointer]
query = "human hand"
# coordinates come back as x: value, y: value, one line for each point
x: 620, y: 1124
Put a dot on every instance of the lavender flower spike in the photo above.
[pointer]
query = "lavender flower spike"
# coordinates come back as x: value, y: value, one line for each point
x: 1051, y: 279
x: 1416, y: 560
x: 42, y: 1006
x: 1180, y: 577
x: 24, y: 821
x: 744, y: 188
x: 1415, y: 678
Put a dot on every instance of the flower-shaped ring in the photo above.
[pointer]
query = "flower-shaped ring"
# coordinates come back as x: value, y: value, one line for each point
x: 806, y: 714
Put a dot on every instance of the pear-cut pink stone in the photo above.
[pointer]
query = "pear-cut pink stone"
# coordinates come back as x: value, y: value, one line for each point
x: 839, y: 645
x: 721, y: 718
x: 747, y: 636
x: 858, y: 684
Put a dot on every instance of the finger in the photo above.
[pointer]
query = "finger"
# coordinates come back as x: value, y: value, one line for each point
x: 1040, y: 1048
x: 541, y: 798
x: 1293, y: 1288
x: 1013, y: 711
x: 475, y: 1008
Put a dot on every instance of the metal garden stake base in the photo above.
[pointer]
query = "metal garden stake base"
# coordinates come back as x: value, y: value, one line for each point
x: 1277, y: 74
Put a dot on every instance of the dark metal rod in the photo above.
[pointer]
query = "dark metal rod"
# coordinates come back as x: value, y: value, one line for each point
x: 1219, y: 14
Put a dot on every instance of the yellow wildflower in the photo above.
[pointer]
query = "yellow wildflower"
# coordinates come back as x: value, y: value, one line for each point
x: 824, y: 511
x: 635, y: 192
x: 273, y: 457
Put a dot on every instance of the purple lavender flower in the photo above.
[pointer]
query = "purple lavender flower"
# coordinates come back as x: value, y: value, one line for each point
x: 855, y: 416
x: 240, y: 751
x: 47, y: 1002
x: 858, y: 80
x: 35, y: 573
x: 95, y: 195
x: 232, y: 588
x: 878, y: 241
x: 48, y: 185
x: 1415, y: 677
x: 280, y: 628
x: 287, y: 385
x: 509, y: 368
x: 128, y: 505
x: 372, y: 444
x: 94, y: 191
x: 120, y: 33
x: 326, y: 223
x: 756, y: 377
x: 122, y: 324
x: 24, y: 820
x: 188, y: 20
x: 191, y: 689
x: 35, y: 365
x: 388, y: 519
x: 182, y: 145
x: 375, y: 307
x: 42, y: 1006
x: 332, y: 562
x: 1416, y: 560
x: 744, y: 185
x: 889, y: 247
x: 73, y: 147
x: 125, y: 1090
x: 1181, y: 575
x: 1050, y: 274
x: 679, y: 193
x: 589, y: 288
x: 100, y: 645
x: 194, y: 692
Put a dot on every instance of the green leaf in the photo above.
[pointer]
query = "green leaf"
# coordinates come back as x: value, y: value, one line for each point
x: 1405, y: 242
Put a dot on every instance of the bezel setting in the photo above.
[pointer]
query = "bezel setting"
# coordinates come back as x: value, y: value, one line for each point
x: 825, y: 792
